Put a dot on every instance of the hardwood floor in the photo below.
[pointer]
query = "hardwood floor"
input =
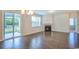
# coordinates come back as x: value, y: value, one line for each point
x: 43, y: 40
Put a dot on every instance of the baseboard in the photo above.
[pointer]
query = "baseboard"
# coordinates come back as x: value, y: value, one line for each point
x: 61, y: 31
x: 32, y: 33
x: 64, y: 31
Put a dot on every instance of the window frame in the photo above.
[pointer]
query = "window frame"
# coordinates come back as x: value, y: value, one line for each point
x: 40, y: 21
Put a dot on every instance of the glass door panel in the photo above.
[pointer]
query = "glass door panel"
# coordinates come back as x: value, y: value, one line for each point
x: 17, y: 25
x: 8, y: 25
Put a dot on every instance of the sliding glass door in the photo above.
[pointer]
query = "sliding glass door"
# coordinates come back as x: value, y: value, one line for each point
x: 17, y: 31
x: 8, y: 25
x: 11, y: 25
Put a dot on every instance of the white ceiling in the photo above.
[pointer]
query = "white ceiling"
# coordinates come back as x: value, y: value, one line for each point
x: 45, y: 12
x: 41, y: 12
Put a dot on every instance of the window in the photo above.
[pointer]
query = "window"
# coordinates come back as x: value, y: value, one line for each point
x: 72, y: 21
x: 73, y: 24
x: 36, y: 21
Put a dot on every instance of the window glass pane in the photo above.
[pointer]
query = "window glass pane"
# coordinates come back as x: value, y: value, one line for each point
x: 72, y: 21
x: 36, y: 21
x: 17, y: 24
x: 8, y: 20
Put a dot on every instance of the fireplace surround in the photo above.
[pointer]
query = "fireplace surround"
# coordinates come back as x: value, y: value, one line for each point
x: 47, y: 28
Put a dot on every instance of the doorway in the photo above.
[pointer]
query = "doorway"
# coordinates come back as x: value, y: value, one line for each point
x: 11, y: 25
x: 73, y: 24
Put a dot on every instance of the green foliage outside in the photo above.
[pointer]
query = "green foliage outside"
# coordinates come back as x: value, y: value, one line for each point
x: 8, y: 25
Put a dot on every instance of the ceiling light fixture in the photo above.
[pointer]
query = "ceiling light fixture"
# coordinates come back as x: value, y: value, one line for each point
x: 30, y: 12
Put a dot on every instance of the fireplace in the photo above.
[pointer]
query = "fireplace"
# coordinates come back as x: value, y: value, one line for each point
x: 48, y: 28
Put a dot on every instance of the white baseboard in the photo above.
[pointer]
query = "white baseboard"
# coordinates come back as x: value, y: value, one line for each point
x: 61, y: 31
x: 64, y: 31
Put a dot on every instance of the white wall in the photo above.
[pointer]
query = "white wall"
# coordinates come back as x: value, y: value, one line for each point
x: 61, y: 22
x: 47, y: 19
x: 77, y: 22
x: 0, y: 25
